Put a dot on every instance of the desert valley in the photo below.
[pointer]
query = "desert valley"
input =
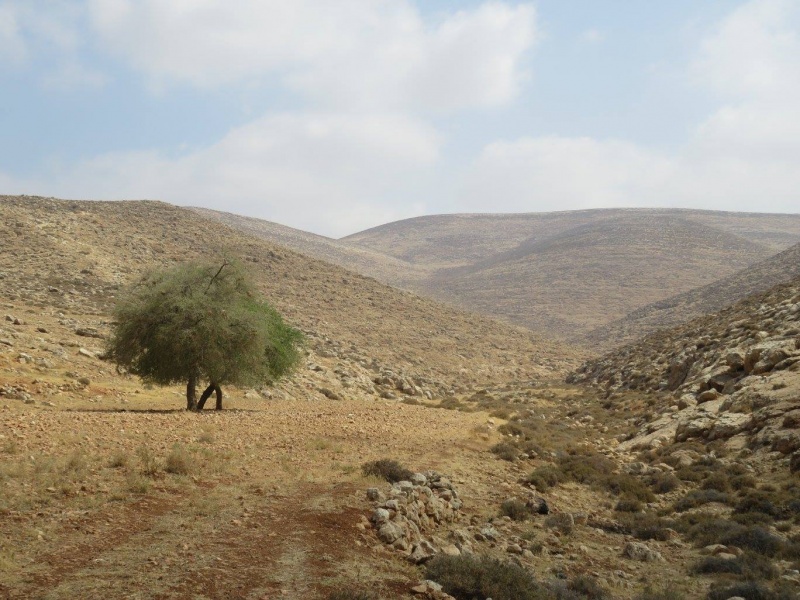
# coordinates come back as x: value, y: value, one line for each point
x: 573, y: 405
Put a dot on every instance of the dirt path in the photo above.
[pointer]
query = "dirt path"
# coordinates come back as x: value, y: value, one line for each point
x: 275, y: 546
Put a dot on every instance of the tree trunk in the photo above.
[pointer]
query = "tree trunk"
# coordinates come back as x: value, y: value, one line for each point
x: 219, y: 396
x: 206, y: 395
x: 191, y: 398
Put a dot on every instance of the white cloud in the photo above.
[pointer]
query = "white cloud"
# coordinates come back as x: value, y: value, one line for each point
x: 754, y: 53
x: 329, y: 173
x: 353, y: 54
x: 743, y: 156
x: 559, y: 173
x: 72, y: 75
x: 593, y: 36
x: 13, y: 50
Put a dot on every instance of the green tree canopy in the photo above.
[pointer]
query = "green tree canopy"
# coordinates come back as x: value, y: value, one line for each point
x: 201, y: 321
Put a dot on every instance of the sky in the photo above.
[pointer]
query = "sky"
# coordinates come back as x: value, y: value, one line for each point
x: 333, y: 117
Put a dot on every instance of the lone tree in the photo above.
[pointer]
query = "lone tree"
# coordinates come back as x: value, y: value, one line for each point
x: 199, y: 322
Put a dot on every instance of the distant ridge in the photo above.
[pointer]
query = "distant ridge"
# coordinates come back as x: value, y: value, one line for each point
x: 562, y: 274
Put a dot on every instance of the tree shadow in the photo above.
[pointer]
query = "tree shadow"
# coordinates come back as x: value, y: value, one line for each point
x: 158, y: 411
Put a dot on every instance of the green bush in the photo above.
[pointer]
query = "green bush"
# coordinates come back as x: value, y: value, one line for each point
x: 468, y: 577
x: 201, y: 321
x: 388, y: 469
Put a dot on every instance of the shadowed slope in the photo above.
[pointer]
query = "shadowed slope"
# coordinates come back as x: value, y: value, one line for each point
x: 706, y: 299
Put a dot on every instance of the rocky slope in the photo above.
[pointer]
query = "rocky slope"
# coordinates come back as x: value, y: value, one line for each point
x: 715, y: 296
x: 732, y: 376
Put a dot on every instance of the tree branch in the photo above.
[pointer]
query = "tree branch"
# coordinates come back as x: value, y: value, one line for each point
x: 210, y: 283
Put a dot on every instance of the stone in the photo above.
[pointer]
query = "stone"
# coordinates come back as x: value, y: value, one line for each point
x: 374, y: 494
x: 708, y: 396
x: 735, y: 360
x: 422, y: 552
x: 390, y: 532
x: 380, y: 516
x: 451, y: 550
x: 489, y: 533
x: 641, y: 552
x: 419, y: 479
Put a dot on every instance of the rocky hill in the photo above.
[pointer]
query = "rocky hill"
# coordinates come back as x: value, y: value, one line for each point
x: 562, y: 274
x: 758, y: 277
x: 733, y: 375
x: 74, y: 257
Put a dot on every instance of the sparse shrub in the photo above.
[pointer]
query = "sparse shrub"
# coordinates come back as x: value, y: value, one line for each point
x: 705, y: 529
x: 137, y: 484
x: 352, y: 595
x: 627, y: 485
x: 749, y: 590
x: 749, y: 566
x: 665, y: 593
x: 586, y: 468
x: 662, y: 483
x: 757, y: 503
x: 75, y: 464
x: 585, y: 587
x: 564, y: 522
x: 118, y: 460
x: 794, y: 462
x: 388, y: 469
x: 757, y: 539
x: 500, y: 413
x: 648, y: 527
x: 752, y: 518
x: 467, y: 577
x: 506, y: 451
x: 629, y: 504
x: 148, y: 462
x: 451, y: 404
x: 179, y: 461
x: 516, y: 509
x: 543, y: 478
x: 743, y: 482
x: 697, y: 498
x: 716, y: 481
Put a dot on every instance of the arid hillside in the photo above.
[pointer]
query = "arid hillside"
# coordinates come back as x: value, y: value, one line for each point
x: 76, y: 255
x: 108, y: 488
x: 710, y: 298
x: 562, y: 274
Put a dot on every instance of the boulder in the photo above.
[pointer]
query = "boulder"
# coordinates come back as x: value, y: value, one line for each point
x: 641, y: 552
